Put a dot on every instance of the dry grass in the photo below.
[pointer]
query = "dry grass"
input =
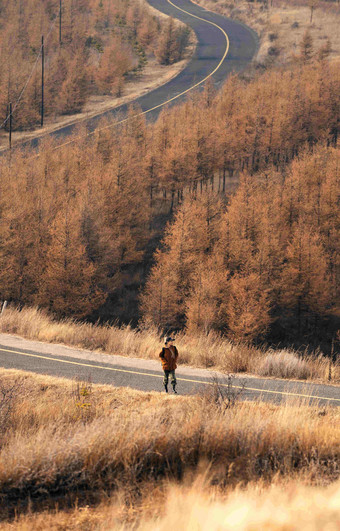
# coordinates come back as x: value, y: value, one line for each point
x: 208, y: 351
x: 288, y: 507
x: 128, y: 439
x: 133, y: 457
x: 282, y: 25
x: 284, y: 364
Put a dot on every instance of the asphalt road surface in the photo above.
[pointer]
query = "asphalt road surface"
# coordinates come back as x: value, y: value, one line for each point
x: 223, y: 46
x: 146, y: 375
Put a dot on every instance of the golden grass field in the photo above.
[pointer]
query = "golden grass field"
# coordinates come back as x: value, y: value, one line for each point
x: 206, y: 351
x: 92, y: 457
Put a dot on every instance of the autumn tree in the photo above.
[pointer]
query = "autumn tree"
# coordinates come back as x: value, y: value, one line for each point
x: 172, y: 43
x: 248, y: 308
x: 306, y: 48
x: 305, y: 288
x: 68, y: 285
x: 161, y: 303
x: 208, y: 295
x: 115, y: 62
x: 325, y: 51
x: 73, y: 91
x: 185, y: 244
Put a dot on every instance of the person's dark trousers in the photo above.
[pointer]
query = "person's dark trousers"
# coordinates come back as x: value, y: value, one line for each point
x: 173, y: 380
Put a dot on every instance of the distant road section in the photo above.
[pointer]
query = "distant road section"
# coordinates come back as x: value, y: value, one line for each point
x: 147, y: 375
x: 223, y: 46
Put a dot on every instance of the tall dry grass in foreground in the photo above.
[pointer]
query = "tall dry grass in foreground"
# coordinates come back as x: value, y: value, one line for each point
x: 68, y: 442
x: 208, y: 351
x: 282, y: 507
x: 292, y: 507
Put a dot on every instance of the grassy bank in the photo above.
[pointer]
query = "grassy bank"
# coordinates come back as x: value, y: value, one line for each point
x: 75, y: 446
x: 208, y: 351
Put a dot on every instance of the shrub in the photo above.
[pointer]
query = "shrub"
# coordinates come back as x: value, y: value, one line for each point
x: 284, y: 364
x: 223, y: 393
x: 273, y: 51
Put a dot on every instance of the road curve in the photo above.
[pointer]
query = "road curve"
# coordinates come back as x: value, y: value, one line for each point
x: 146, y: 375
x: 223, y: 46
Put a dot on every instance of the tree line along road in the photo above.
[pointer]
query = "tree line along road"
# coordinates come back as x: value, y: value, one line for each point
x: 223, y: 46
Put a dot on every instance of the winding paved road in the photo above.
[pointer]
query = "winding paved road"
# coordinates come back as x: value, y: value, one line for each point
x: 146, y: 375
x: 223, y: 46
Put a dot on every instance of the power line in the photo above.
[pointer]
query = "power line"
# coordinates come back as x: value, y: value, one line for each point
x: 33, y: 69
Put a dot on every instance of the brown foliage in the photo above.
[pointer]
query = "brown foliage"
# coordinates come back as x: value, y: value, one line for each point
x: 69, y: 228
x: 275, y: 254
x: 102, y: 41
x: 172, y: 43
x: 117, y: 190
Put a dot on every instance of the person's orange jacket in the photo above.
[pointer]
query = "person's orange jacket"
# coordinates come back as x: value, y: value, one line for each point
x: 169, y: 356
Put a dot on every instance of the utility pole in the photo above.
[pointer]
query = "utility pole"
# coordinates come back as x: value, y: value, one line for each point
x: 60, y: 22
x: 10, y: 125
x: 42, y: 80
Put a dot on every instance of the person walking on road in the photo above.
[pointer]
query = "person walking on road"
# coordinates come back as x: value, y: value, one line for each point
x: 169, y: 357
